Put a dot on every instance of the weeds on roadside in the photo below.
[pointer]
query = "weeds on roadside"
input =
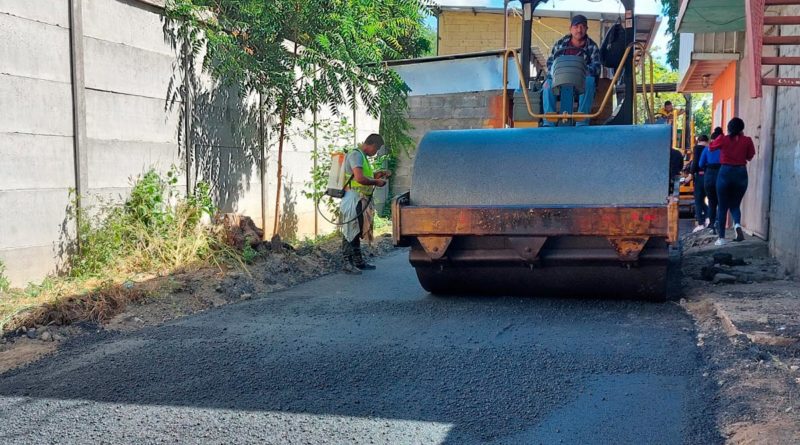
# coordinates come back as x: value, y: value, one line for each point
x: 5, y: 284
x: 154, y: 232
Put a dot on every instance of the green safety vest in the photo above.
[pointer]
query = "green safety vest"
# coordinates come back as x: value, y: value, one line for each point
x: 366, y: 169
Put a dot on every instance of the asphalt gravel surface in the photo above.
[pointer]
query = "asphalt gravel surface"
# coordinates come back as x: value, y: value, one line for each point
x: 376, y: 359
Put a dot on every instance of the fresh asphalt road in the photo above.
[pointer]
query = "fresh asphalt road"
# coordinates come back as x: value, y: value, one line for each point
x: 376, y: 359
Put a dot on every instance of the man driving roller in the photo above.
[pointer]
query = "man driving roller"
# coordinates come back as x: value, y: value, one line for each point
x: 577, y: 42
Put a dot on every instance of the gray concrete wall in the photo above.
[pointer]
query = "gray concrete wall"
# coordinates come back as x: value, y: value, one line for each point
x: 759, y: 117
x: 785, y: 202
x: 134, y: 121
x: 36, y: 171
x: 443, y: 112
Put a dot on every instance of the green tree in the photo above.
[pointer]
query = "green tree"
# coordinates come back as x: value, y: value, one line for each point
x: 671, y: 8
x: 702, y: 114
x: 661, y: 74
x: 432, y: 41
x: 301, y: 55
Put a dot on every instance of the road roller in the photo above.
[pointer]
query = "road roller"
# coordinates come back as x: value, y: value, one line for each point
x: 580, y: 211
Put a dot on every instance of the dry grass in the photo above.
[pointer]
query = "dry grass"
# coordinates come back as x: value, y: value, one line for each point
x: 145, y: 236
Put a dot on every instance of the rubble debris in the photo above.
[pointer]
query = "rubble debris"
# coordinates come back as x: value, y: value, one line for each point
x: 240, y: 230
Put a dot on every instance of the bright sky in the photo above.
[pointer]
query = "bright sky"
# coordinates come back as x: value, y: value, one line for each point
x: 642, y: 7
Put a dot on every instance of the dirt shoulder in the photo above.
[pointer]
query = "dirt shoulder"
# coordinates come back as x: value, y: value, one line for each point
x: 161, y: 299
x: 747, y: 312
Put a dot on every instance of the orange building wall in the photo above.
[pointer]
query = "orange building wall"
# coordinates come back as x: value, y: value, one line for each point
x: 724, y: 96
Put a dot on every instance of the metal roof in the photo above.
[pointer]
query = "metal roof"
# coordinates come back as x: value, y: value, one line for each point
x: 701, y: 16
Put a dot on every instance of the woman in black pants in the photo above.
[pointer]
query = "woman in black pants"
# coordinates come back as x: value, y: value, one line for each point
x: 709, y: 161
x: 736, y: 150
x: 698, y: 174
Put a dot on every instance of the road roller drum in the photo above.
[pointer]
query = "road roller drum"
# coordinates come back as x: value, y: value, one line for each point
x: 547, y: 211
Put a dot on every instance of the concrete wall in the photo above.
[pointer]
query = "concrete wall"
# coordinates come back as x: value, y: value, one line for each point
x: 785, y: 204
x: 759, y: 117
x: 36, y: 171
x: 445, y: 112
x: 465, y: 32
x: 134, y: 120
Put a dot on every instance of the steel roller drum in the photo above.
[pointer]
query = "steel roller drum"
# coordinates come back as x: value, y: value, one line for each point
x: 607, y: 166
x: 570, y: 166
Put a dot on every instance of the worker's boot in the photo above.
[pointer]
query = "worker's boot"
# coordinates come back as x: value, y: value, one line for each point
x: 358, y: 256
x: 349, y: 266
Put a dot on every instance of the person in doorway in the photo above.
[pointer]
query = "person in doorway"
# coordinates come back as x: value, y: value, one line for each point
x: 357, y: 208
x: 736, y: 150
x: 698, y: 176
x: 709, y: 162
x: 577, y: 42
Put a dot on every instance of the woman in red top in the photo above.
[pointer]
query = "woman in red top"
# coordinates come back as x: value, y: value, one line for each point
x: 736, y: 150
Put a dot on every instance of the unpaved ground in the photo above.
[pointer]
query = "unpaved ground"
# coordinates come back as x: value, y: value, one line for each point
x: 749, y: 330
x: 186, y: 293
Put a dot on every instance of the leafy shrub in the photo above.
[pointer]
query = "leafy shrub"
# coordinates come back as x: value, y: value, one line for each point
x: 154, y: 230
x: 5, y: 284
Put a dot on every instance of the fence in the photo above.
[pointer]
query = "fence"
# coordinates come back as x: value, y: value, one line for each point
x: 94, y: 93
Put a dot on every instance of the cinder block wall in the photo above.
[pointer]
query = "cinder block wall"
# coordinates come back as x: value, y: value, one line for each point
x: 445, y: 112
x: 785, y: 202
x: 465, y: 31
x: 135, y: 116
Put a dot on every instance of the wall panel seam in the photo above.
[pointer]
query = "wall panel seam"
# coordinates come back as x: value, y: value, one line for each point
x: 35, y: 78
x: 33, y: 20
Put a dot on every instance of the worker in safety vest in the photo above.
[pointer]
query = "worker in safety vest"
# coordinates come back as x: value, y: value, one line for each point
x: 357, y: 208
x: 664, y: 114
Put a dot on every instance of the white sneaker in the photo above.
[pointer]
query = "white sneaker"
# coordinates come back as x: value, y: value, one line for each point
x: 721, y: 242
x: 698, y: 228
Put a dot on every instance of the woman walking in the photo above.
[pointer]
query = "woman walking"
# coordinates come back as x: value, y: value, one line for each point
x: 736, y: 150
x: 698, y: 172
x: 709, y: 161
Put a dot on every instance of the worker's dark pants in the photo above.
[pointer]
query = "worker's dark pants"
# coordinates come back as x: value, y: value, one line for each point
x: 352, y: 249
x: 731, y: 185
x: 700, y: 208
x: 711, y: 192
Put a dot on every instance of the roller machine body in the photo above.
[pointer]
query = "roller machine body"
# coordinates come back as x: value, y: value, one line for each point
x: 568, y: 211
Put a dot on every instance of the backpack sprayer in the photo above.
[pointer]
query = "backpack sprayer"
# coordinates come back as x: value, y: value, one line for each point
x: 337, y: 182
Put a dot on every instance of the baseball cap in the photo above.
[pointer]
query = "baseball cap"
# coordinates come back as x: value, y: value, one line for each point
x: 578, y: 19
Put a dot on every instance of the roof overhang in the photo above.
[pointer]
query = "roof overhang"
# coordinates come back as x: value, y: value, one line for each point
x: 704, y: 70
x: 699, y: 16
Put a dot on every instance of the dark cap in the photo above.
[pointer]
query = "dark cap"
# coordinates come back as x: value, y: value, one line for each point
x: 578, y: 19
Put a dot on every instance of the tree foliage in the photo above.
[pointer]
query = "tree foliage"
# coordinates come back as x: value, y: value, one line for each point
x: 671, y: 8
x: 700, y: 102
x: 301, y: 55
x: 341, y: 45
x: 702, y: 114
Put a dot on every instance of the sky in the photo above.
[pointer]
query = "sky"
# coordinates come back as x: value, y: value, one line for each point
x: 642, y: 7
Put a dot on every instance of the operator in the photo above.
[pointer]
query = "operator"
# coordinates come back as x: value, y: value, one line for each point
x: 575, y: 43
x: 357, y: 209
